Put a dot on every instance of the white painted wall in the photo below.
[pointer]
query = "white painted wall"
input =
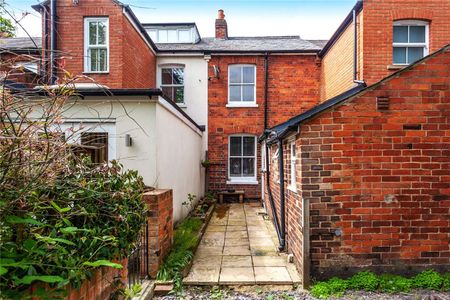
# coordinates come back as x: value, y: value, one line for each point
x: 179, y: 155
x: 195, y: 86
x: 167, y: 148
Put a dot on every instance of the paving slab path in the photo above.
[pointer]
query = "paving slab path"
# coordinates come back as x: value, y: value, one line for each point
x: 239, y: 247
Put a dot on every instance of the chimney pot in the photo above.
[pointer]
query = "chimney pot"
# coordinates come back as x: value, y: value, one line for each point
x: 220, y: 14
x: 221, y: 26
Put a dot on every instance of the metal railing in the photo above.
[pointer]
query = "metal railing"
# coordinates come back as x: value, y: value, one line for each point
x: 138, y: 261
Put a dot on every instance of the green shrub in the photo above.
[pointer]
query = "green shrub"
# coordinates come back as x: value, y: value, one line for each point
x: 83, y: 219
x: 446, y: 282
x: 394, y: 283
x: 184, y: 240
x: 428, y: 279
x: 366, y: 280
x: 333, y: 287
x: 321, y: 290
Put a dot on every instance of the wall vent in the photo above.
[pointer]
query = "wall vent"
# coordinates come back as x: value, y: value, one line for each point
x: 383, y: 103
x: 412, y: 127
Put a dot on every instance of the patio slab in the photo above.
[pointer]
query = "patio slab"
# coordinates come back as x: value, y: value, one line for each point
x: 239, y: 247
x: 237, y: 275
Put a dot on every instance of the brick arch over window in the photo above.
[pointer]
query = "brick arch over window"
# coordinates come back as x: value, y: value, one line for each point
x: 412, y: 14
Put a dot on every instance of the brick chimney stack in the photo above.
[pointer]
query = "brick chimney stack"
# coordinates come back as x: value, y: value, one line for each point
x: 221, y: 26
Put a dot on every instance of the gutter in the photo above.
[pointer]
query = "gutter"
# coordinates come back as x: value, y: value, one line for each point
x: 266, y: 91
x: 260, y: 52
x: 347, y: 21
x: 122, y: 92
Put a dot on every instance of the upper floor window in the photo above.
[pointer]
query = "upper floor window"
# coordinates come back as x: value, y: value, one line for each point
x: 96, y: 45
x: 242, y: 158
x: 175, y: 35
x: 172, y: 83
x: 410, y: 42
x: 241, y: 84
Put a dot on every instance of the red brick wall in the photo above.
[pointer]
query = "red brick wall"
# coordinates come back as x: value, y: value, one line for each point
x: 160, y: 226
x: 293, y: 87
x: 379, y: 16
x: 293, y: 203
x: 131, y: 62
x: 379, y: 191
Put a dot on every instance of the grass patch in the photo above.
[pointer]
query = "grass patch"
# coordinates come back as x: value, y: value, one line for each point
x: 388, y: 283
x: 184, y: 241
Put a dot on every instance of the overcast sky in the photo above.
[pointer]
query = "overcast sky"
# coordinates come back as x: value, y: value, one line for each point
x: 311, y: 19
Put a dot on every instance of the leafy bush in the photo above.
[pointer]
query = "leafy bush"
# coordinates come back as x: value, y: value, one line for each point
x: 60, y: 216
x: 394, y: 283
x: 85, y: 218
x: 446, y: 282
x: 428, y: 280
x: 321, y: 290
x: 333, y: 287
x: 366, y: 280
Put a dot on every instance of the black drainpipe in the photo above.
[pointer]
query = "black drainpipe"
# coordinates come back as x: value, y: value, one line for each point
x: 266, y: 89
x: 52, y: 41
x: 269, y: 192
x: 282, y: 200
x: 44, y: 64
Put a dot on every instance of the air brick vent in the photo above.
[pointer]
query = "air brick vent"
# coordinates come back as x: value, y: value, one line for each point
x: 382, y: 103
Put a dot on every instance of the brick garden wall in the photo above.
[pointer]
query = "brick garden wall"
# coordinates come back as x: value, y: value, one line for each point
x: 378, y: 182
x: 293, y: 87
x: 131, y: 62
x: 160, y: 224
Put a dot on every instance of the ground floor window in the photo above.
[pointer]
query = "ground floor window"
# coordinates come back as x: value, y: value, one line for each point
x: 96, y: 140
x: 293, y: 167
x: 242, y: 158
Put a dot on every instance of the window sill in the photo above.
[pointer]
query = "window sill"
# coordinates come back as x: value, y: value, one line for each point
x: 292, y: 189
x: 98, y: 72
x: 396, y: 67
x: 181, y: 105
x: 248, y: 182
x: 233, y: 105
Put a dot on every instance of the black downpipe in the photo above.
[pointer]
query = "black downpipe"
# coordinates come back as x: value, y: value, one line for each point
x: 272, y: 204
x: 355, y: 48
x: 44, y: 53
x: 282, y: 200
x: 266, y: 91
x: 53, y: 42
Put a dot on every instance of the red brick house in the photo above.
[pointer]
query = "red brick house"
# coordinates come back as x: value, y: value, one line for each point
x: 353, y: 132
x: 20, y: 59
x: 366, y: 175
x: 360, y: 181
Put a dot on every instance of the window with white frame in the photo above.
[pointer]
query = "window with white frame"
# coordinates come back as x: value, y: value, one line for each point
x: 175, y: 35
x: 96, y: 45
x: 242, y: 158
x: 410, y: 41
x: 293, y: 161
x: 241, y: 84
x: 172, y: 83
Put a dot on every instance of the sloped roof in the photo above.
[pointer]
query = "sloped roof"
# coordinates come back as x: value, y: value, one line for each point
x: 282, y: 129
x: 244, y: 44
x: 319, y: 43
x: 24, y: 44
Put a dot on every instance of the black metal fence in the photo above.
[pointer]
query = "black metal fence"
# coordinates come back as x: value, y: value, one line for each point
x: 138, y: 261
